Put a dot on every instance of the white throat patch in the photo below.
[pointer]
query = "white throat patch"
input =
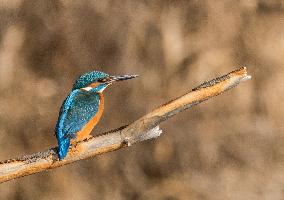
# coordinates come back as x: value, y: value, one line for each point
x: 87, y: 88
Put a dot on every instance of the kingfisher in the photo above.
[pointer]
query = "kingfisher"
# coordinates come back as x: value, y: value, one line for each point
x: 82, y: 109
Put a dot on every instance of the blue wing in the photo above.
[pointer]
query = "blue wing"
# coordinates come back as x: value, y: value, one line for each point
x: 77, y: 109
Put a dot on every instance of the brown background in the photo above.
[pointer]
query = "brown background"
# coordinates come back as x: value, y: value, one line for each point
x: 231, y: 147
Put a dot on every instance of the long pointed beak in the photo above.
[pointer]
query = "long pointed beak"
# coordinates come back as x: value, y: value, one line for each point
x: 121, y: 78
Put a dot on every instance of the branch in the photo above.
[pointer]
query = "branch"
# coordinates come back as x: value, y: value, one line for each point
x: 144, y: 128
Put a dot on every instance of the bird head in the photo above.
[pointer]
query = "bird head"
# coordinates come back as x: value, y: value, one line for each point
x: 97, y: 81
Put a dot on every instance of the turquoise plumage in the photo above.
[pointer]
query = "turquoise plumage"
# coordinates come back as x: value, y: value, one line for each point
x: 82, y: 106
x: 78, y: 108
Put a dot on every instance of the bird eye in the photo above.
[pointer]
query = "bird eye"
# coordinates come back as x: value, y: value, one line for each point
x: 102, y: 80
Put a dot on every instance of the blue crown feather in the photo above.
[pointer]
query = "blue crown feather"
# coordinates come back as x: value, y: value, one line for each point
x: 88, y: 78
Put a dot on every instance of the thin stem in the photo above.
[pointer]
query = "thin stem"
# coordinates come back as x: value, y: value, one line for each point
x: 142, y: 129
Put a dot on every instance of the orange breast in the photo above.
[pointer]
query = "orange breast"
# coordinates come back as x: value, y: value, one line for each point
x: 87, y: 129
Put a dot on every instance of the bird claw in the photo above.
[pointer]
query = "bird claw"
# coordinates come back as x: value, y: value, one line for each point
x: 127, y: 141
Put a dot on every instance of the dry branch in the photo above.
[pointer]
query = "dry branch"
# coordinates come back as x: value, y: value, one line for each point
x: 140, y: 130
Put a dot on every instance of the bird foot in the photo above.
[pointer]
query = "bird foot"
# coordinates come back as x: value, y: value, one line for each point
x: 127, y: 141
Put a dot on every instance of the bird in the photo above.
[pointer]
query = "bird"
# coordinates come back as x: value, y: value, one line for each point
x: 82, y: 109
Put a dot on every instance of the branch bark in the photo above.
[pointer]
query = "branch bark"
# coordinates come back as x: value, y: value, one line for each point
x: 144, y: 128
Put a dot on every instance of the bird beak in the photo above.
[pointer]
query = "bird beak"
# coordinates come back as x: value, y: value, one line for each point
x: 121, y: 78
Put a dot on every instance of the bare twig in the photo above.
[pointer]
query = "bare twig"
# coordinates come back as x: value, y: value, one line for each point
x: 140, y: 130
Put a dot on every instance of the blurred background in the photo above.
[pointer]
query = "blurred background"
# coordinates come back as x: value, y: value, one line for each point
x: 231, y: 147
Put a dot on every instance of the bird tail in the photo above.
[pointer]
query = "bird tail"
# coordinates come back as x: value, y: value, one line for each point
x: 63, y: 147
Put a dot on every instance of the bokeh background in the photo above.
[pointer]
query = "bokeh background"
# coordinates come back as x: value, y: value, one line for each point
x: 231, y: 147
